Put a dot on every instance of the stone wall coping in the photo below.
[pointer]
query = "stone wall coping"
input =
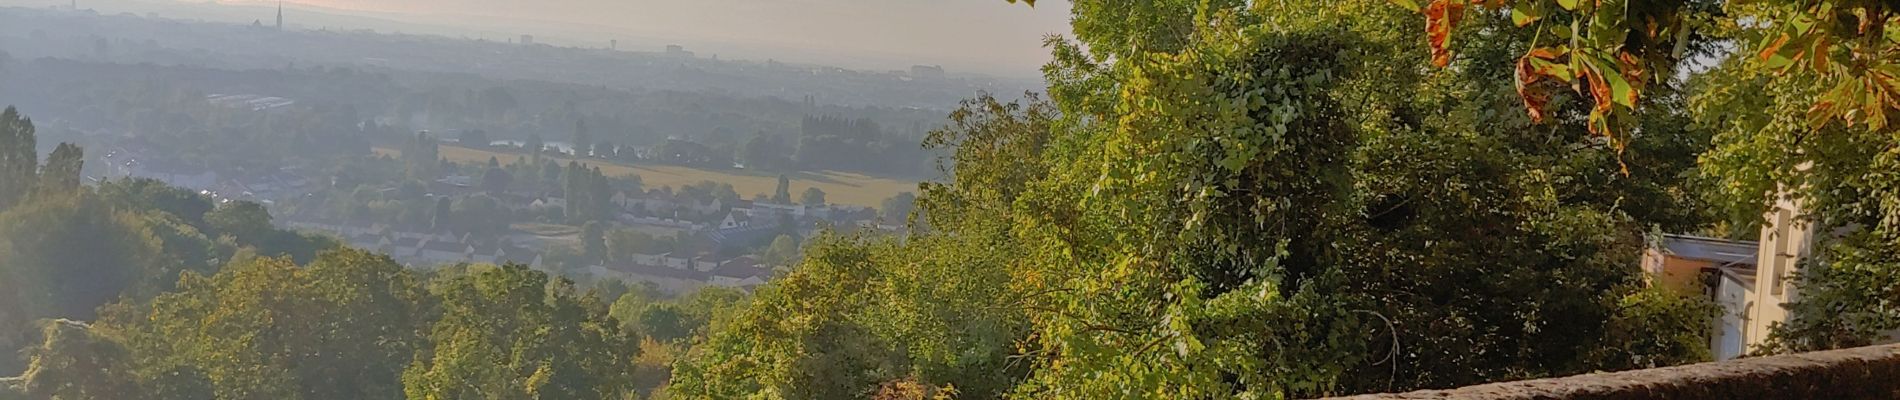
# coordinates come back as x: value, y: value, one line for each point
x: 1871, y: 372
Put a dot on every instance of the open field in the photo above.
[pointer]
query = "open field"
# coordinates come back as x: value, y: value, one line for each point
x: 549, y: 230
x: 840, y: 187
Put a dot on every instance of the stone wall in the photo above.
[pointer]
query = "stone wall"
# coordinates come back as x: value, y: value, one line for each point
x: 1859, y: 373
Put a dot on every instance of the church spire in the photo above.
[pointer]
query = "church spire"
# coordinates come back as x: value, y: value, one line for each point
x: 280, y: 15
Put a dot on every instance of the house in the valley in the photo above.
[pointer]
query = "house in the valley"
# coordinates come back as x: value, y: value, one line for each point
x: 484, y: 253
x: 515, y: 201
x: 706, y: 207
x: 741, y: 272
x: 437, y: 252
x: 669, y: 280
x: 735, y: 220
x: 548, y: 202
x: 518, y: 255
x: 671, y: 260
x: 1751, y: 281
x: 1721, y: 270
x: 704, y: 262
x: 770, y: 209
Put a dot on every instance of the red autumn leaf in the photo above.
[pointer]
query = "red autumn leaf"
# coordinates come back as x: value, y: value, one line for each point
x: 1599, y: 89
x: 1773, y: 47
x: 1884, y: 84
x: 1820, y: 54
x: 1531, y: 78
x: 1537, y: 72
x: 1529, y: 89
x: 1546, y: 53
x: 1440, y: 17
x: 1876, y: 100
x: 1820, y: 113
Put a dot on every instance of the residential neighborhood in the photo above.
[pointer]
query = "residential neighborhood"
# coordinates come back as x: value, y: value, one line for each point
x: 718, y: 235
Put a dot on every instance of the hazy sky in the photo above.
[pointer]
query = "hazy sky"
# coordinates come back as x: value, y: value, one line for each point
x: 990, y: 36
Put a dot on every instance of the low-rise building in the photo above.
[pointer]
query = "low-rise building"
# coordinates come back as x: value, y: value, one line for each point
x: 1752, y: 282
x: 1720, y: 270
x: 742, y: 273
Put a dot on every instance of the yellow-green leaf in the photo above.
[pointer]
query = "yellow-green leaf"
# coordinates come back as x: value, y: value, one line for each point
x: 1620, y: 90
x: 1525, y: 14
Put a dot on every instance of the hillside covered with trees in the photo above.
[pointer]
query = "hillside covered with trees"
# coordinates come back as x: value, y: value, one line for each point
x: 1214, y: 199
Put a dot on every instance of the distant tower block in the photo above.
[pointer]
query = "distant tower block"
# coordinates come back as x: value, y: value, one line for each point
x: 613, y: 44
x: 527, y: 39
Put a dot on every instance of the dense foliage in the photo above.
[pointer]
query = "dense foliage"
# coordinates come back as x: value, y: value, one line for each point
x: 1785, y: 132
x: 510, y: 333
x: 66, y: 249
x: 1251, y: 200
x: 348, y: 325
x: 1217, y: 199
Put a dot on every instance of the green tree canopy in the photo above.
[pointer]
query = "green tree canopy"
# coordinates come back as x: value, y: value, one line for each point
x: 812, y: 197
x: 1800, y: 114
x: 510, y: 333
x: 19, y: 158
x: 897, y: 208
x: 64, y: 257
x: 420, y: 157
x: 1234, y: 199
x: 783, y: 195
x: 345, y: 326
x: 245, y: 220
x: 73, y: 362
x: 62, y: 175
x: 155, y: 195
x: 593, y: 242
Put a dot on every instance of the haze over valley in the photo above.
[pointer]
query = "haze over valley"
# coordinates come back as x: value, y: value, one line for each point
x: 948, y: 199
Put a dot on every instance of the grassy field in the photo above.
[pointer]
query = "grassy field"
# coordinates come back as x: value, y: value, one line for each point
x: 840, y: 187
x: 550, y: 230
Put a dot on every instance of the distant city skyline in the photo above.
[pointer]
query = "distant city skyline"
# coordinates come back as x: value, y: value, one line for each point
x: 972, y: 36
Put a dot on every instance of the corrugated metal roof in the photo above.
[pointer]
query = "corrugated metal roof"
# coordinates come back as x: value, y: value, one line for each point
x: 1730, y: 252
